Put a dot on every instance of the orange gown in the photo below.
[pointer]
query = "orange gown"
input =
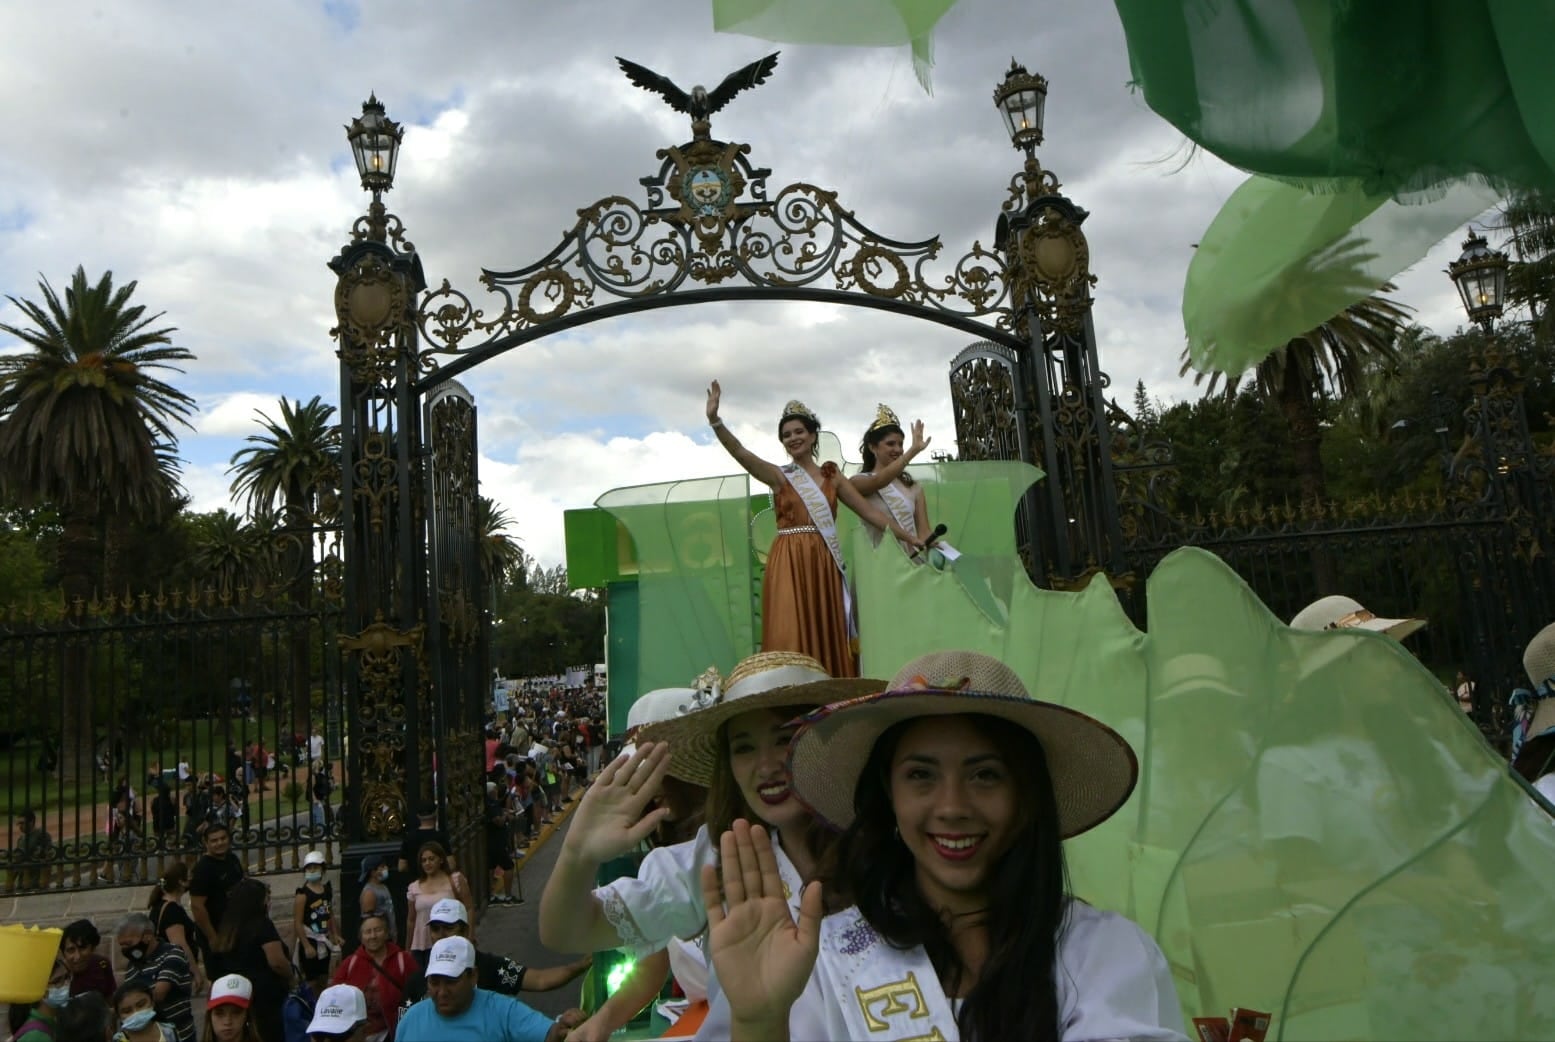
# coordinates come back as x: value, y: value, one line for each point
x: 801, y: 591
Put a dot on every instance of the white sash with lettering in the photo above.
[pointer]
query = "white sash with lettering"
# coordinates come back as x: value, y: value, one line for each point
x: 821, y: 515
x: 881, y: 991
x: 899, y: 504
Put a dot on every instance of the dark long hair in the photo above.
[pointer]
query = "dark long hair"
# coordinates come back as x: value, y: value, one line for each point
x: 248, y: 903
x: 437, y: 848
x: 1016, y: 995
x: 875, y: 437
x: 175, y: 877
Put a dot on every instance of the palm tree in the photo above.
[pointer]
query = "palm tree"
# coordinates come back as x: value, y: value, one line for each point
x: 500, y: 553
x: 226, y: 551
x: 86, y: 425
x: 292, y: 464
x: 1343, y: 356
x: 1530, y: 281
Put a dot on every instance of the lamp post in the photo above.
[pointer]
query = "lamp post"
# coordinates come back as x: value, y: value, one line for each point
x: 1074, y: 531
x: 1480, y: 275
x: 375, y: 144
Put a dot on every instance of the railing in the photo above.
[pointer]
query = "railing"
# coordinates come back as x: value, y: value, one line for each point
x: 127, y: 725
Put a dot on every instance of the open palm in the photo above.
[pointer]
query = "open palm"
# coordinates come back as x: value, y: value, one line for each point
x: 762, y: 956
x: 610, y: 819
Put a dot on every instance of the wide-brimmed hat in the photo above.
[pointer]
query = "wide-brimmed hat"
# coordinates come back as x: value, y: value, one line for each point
x: 1092, y: 766
x: 766, y: 680
x: 1337, y: 612
x: 1539, y: 664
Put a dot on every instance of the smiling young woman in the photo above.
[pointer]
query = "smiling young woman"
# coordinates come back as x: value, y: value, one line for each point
x: 955, y: 790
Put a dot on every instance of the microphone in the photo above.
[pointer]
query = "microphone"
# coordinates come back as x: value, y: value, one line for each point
x: 938, y: 531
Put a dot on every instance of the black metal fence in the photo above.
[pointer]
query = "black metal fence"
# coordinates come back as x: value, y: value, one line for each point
x: 127, y: 726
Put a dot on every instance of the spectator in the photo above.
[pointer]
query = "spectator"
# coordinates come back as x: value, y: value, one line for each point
x: 499, y: 844
x: 494, y: 973
x: 249, y: 944
x: 313, y: 918
x: 86, y: 1018
x: 341, y: 1016
x: 197, y: 811
x: 459, y: 1010
x: 172, y: 922
x: 227, y: 1011
x: 436, y: 882
x: 297, y: 1011
x: 426, y: 831
x: 31, y: 851
x: 164, y: 815
x: 376, y: 898
x: 382, y: 970
x: 215, y: 874
x: 90, y: 970
x: 160, y: 967
x: 137, y: 1014
x: 322, y: 784
x: 43, y: 1019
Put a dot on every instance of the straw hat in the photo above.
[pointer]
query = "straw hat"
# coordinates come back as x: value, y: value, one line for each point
x: 1539, y: 664
x: 1343, y: 613
x: 1092, y: 767
x: 766, y: 680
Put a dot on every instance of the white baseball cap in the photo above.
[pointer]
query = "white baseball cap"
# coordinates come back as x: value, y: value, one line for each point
x: 451, y: 957
x: 449, y: 911
x: 232, y: 990
x: 339, y: 1009
x: 315, y: 857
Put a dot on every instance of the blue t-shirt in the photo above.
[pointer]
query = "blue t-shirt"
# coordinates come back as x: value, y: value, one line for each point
x: 490, y: 1018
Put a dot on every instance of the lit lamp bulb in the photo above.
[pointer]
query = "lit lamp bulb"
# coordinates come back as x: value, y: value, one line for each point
x: 377, y: 163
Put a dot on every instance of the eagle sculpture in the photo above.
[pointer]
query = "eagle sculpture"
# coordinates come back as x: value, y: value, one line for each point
x: 700, y: 103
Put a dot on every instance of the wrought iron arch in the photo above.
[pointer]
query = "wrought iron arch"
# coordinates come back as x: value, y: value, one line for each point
x: 709, y: 231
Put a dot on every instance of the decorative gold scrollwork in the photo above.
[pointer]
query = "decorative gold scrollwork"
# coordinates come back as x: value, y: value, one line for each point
x: 379, y: 654
x: 709, y: 221
x: 372, y: 301
x: 376, y: 484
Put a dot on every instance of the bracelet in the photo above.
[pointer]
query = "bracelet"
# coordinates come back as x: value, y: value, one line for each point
x: 715, y: 423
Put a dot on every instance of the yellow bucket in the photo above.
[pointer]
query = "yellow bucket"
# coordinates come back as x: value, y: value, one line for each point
x: 26, y: 958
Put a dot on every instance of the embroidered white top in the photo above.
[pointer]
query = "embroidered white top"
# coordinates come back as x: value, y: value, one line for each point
x: 664, y: 901
x: 1113, y: 983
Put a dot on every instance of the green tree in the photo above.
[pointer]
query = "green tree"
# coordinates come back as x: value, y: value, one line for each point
x: 500, y: 554
x: 85, y: 426
x: 293, y: 465
x: 1530, y: 219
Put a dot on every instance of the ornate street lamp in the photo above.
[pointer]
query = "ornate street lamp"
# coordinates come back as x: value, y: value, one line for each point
x: 1021, y: 99
x: 375, y: 144
x: 1480, y: 275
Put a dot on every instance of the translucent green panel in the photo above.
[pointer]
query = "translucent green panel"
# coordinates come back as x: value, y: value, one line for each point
x: 870, y: 23
x: 1317, y: 831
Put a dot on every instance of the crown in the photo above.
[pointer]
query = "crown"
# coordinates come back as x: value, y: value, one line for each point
x: 799, y: 408
x: 884, y: 417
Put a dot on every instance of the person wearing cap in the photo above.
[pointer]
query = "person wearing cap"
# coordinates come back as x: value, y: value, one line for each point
x: 313, y: 918
x: 227, y: 1017
x: 495, y: 973
x: 1533, y: 712
x: 376, y: 898
x: 340, y: 1015
x: 457, y: 1009
x: 955, y: 790
x: 736, y: 744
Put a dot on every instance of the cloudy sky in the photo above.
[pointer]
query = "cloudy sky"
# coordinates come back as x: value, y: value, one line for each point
x: 198, y: 149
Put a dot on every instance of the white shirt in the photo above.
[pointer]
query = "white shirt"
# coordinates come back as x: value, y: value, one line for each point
x: 1113, y: 983
x: 664, y: 901
x: 316, y: 747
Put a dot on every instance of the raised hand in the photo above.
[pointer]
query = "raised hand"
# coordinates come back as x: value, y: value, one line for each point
x: 763, y: 958
x: 919, y: 442
x: 610, y: 820
x: 714, y: 393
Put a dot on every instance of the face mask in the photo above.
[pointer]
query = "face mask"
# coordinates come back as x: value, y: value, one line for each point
x: 383, y: 875
x: 136, y: 953
x: 313, y: 877
x: 139, y: 1019
x: 57, y: 996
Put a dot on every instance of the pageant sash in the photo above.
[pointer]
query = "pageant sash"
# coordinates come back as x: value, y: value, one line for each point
x: 884, y: 993
x: 899, y: 504
x: 820, y: 511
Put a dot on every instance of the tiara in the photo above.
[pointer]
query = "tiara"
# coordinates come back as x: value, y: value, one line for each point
x: 799, y: 408
x: 884, y: 417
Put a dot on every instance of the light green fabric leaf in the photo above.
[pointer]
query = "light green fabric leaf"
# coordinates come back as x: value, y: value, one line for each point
x: 1278, y: 260
x: 1317, y: 830
x: 856, y: 23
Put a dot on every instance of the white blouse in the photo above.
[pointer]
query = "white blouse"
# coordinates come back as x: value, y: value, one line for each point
x: 664, y: 902
x: 1113, y: 983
